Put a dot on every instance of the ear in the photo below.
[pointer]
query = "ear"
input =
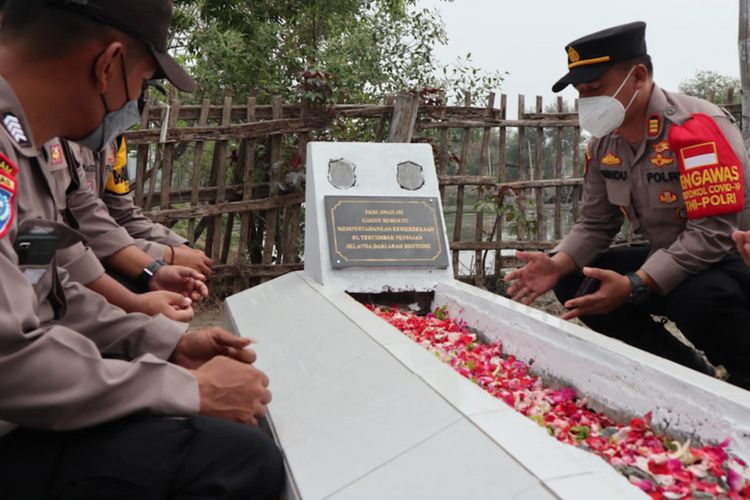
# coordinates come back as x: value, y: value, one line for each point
x: 641, y: 76
x: 106, y: 66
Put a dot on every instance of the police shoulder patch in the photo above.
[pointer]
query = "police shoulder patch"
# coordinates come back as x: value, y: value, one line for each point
x: 118, y: 181
x: 13, y: 125
x: 8, y: 171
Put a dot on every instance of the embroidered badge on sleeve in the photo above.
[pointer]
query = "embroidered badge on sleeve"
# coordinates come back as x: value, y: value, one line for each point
x: 711, y: 174
x: 118, y: 181
x: 8, y: 172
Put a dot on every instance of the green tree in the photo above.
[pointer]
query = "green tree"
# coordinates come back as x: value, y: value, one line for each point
x: 359, y: 49
x: 712, y: 86
x: 366, y: 48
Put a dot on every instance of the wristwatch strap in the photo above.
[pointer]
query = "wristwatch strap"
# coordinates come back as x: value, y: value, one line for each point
x: 149, y: 271
x: 639, y: 292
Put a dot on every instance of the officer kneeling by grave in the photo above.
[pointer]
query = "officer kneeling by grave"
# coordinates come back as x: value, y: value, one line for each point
x: 676, y: 168
x: 97, y: 403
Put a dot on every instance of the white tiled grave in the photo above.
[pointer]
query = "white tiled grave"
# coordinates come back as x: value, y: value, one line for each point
x: 361, y: 412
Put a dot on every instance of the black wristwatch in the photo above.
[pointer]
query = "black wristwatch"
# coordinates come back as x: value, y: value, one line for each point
x: 148, y: 272
x: 640, y: 293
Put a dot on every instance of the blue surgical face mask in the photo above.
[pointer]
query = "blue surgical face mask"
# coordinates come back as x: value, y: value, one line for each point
x: 115, y: 122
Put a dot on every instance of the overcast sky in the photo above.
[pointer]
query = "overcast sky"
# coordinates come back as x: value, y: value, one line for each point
x: 527, y: 37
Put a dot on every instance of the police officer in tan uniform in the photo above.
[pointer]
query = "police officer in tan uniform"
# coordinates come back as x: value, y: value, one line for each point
x: 81, y: 210
x: 113, y: 382
x: 676, y: 168
x: 106, y: 175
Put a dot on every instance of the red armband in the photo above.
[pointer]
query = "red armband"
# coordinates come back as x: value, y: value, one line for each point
x: 711, y: 174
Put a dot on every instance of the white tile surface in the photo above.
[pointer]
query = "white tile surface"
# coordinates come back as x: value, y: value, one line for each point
x: 536, y: 492
x: 533, y: 446
x: 460, y: 392
x: 359, y: 417
x: 378, y: 329
x: 301, y: 338
x: 457, y: 463
x: 595, y: 487
x: 618, y: 376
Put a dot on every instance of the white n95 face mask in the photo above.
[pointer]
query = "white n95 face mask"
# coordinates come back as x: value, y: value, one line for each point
x: 601, y: 115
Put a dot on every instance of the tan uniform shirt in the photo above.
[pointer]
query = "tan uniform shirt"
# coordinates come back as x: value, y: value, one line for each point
x: 86, y: 213
x: 107, y: 177
x: 642, y: 183
x: 54, y: 333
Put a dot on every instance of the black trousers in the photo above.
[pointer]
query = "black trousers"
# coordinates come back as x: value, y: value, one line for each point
x: 711, y: 308
x: 142, y: 458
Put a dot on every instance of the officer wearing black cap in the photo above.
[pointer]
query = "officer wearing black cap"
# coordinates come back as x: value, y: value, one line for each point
x: 97, y: 403
x: 676, y: 168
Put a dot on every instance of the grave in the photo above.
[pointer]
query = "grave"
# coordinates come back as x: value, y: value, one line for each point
x: 362, y: 412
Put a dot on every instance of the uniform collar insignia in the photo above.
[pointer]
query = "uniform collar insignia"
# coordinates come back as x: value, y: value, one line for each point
x: 661, y: 147
x: 667, y: 197
x: 56, y: 154
x: 611, y: 159
x: 13, y: 125
x: 660, y: 160
x: 654, y: 126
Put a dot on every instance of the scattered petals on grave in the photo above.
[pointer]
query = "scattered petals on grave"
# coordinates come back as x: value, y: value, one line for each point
x: 662, y: 467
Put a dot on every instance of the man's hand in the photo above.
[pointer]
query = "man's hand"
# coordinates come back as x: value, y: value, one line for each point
x: 172, y: 305
x: 232, y: 390
x: 742, y: 239
x: 540, y: 274
x: 613, y: 292
x: 197, y: 348
x: 192, y: 258
x: 182, y: 280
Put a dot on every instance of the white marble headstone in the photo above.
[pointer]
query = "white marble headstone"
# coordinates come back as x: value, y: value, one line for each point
x: 363, y: 171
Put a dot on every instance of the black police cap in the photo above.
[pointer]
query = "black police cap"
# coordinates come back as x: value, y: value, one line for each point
x: 145, y: 20
x: 591, y: 56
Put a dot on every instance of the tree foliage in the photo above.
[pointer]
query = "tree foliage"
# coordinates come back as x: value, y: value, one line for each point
x: 712, y: 86
x: 363, y: 49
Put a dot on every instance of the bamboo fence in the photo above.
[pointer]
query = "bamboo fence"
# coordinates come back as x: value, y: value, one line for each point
x: 229, y: 176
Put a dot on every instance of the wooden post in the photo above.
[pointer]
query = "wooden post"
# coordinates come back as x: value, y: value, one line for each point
x: 483, y: 170
x: 142, y: 158
x: 404, y: 118
x: 501, y: 156
x: 458, y: 225
x: 248, y: 156
x: 380, y: 132
x: 273, y: 215
x: 443, y: 166
x: 522, y: 173
x: 169, y: 153
x: 577, y: 167
x: 744, y: 49
x: 195, y: 182
x: 538, y: 174
x: 294, y: 212
x: 558, y: 173
x: 213, y: 237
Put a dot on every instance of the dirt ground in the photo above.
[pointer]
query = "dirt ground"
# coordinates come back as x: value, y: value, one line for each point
x: 210, y: 313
